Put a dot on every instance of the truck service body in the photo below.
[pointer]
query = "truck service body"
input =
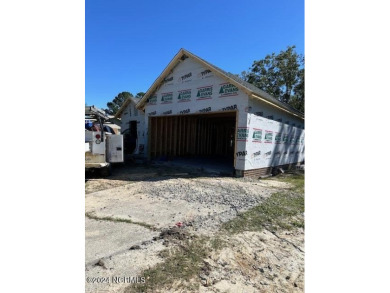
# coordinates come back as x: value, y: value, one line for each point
x: 101, y: 148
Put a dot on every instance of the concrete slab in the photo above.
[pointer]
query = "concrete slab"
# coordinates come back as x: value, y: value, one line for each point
x: 104, y: 239
x: 200, y: 164
x: 205, y: 202
x: 129, y: 264
x: 133, y: 202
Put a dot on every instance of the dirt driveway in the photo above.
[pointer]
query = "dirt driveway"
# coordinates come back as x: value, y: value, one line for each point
x: 127, y: 213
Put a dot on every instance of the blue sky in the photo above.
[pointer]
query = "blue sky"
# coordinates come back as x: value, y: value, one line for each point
x: 129, y: 43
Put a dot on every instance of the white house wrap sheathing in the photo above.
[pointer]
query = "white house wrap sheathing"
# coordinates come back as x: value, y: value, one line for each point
x: 270, y: 143
x: 193, y: 89
x: 266, y: 135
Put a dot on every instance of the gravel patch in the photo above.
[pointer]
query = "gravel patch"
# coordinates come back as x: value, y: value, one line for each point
x: 232, y: 195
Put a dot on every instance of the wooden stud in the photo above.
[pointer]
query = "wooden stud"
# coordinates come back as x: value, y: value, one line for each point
x: 193, y: 135
x: 179, y: 138
x: 175, y: 136
x: 200, y: 135
x: 235, y: 141
x: 171, y: 131
x: 185, y: 135
x: 149, y: 137
x: 188, y: 134
x: 161, y: 136
x: 166, y: 136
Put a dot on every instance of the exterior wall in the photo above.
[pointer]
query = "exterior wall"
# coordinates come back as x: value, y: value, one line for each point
x: 192, y: 89
x: 271, y: 143
x: 261, y: 142
x: 131, y: 113
x: 265, y: 110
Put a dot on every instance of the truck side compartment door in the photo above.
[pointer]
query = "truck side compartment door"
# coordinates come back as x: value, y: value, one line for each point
x: 115, y: 148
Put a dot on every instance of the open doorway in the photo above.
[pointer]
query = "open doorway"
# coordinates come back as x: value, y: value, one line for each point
x: 130, y: 138
x: 203, y: 137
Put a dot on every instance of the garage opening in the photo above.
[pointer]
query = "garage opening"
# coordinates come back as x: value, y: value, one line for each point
x: 210, y: 136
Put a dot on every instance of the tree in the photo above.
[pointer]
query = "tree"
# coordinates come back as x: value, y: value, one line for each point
x: 139, y: 95
x: 281, y: 75
x: 117, y: 102
x: 297, y: 101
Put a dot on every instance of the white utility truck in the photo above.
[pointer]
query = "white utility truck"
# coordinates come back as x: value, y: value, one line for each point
x: 101, y: 148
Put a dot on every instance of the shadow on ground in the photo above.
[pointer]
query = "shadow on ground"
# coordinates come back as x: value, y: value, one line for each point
x: 165, y: 169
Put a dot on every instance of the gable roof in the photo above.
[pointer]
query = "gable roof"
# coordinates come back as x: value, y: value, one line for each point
x: 129, y: 100
x: 251, y: 90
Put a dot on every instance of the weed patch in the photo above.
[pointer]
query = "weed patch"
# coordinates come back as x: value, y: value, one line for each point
x: 183, y: 264
x: 297, y: 180
x: 273, y: 213
x: 280, y: 210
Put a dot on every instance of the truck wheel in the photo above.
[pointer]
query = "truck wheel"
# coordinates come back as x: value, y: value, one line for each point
x: 106, y: 171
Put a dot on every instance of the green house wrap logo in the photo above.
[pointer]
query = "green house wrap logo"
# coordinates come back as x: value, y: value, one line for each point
x: 227, y: 90
x: 278, y: 137
x: 166, y: 98
x: 184, y: 96
x: 152, y: 100
x: 268, y: 136
x: 257, y: 135
x: 205, y: 92
x: 242, y: 133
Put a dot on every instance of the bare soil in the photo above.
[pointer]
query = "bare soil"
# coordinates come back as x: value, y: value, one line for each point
x: 143, y: 213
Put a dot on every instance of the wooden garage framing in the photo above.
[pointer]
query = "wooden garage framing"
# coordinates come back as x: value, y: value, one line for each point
x: 207, y: 134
